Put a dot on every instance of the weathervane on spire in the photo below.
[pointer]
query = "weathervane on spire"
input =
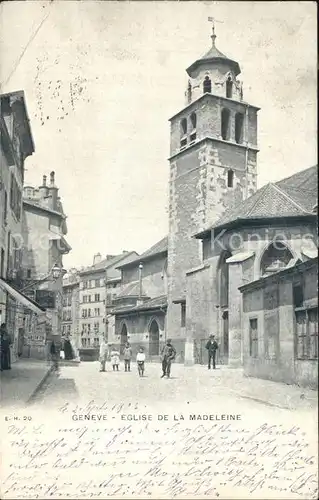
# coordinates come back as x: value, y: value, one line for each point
x: 213, y: 21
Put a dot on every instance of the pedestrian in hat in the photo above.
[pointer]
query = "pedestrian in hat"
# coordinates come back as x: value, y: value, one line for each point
x: 211, y: 347
x: 167, y: 355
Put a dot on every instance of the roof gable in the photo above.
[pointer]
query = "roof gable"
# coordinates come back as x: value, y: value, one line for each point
x: 291, y: 197
x: 159, y: 248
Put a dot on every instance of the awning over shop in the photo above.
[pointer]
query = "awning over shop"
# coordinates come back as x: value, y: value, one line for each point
x: 21, y: 298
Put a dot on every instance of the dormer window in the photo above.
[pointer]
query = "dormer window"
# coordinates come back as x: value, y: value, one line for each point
x: 229, y: 87
x: 207, y: 85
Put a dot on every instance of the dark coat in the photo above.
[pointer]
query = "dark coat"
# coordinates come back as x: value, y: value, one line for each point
x: 211, y: 346
x: 168, y: 352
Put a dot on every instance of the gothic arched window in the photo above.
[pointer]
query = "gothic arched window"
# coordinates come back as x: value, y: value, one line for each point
x: 183, y: 142
x: 184, y: 126
x: 277, y: 256
x: 239, y: 121
x: 225, y: 119
x: 230, y: 178
x: 207, y: 85
x: 229, y: 87
x: 193, y: 120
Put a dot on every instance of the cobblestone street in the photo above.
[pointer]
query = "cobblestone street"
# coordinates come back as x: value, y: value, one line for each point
x: 222, y: 387
x: 100, y: 434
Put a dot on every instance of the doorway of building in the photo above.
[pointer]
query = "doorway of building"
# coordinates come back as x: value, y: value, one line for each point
x: 154, y: 339
x: 225, y: 330
x: 123, y: 336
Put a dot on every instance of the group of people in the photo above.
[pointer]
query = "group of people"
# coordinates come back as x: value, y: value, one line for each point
x: 56, y: 352
x: 5, y: 352
x: 110, y: 352
x: 168, y: 354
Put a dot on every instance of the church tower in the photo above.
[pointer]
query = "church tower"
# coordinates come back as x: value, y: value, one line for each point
x: 213, y: 156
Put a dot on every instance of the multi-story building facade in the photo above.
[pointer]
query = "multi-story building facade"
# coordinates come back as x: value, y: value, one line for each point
x: 44, y: 230
x: 17, y: 144
x: 92, y: 297
x: 139, y: 309
x: 71, y: 308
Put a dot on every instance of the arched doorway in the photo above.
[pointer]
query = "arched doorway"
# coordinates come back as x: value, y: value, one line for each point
x: 154, y: 338
x: 123, y: 336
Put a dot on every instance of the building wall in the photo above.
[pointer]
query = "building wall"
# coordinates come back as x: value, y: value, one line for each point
x: 138, y: 330
x: 70, y: 314
x: 198, y: 196
x: 272, y: 305
x: 15, y: 135
x: 88, y: 289
x: 204, y: 315
x: 10, y: 225
x: 218, y: 74
x: 208, y: 113
x: 153, y: 276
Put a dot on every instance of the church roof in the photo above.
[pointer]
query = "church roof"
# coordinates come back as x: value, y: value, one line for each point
x: 152, y: 304
x: 293, y: 196
x: 159, y: 248
x: 214, y: 55
x: 131, y: 290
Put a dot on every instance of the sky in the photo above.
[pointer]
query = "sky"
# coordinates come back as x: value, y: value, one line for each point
x: 101, y: 80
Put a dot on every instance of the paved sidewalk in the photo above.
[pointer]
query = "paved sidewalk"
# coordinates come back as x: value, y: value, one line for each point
x: 263, y: 391
x: 20, y: 383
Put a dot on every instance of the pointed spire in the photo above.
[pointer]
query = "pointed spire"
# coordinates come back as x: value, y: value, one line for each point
x: 213, y: 35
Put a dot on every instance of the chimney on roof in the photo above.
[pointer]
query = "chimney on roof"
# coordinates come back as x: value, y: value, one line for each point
x: 109, y: 257
x: 43, y: 190
x: 125, y: 251
x: 53, y: 193
x: 97, y: 258
x: 52, y: 175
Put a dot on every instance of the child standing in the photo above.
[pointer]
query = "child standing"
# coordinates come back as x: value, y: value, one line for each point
x: 140, y: 359
x: 115, y: 359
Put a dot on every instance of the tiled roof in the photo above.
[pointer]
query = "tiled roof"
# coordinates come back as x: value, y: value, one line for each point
x: 105, y: 263
x: 291, y: 197
x: 156, y: 303
x: 132, y: 290
x: 214, y: 54
x: 159, y: 247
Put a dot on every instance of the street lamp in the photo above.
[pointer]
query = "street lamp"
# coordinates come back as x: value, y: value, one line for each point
x: 55, y: 273
x: 140, y: 269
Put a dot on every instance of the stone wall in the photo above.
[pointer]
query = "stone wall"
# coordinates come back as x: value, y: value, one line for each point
x: 276, y: 359
x: 198, y: 197
x: 138, y: 326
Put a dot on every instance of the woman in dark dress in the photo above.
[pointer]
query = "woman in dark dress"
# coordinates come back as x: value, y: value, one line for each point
x: 5, y: 348
x: 68, y: 351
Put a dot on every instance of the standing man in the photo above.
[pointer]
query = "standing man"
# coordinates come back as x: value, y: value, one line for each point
x: 168, y: 355
x: 103, y: 354
x: 127, y: 357
x: 212, y: 347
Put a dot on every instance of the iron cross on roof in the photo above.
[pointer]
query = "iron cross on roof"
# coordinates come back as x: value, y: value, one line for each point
x: 213, y: 21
